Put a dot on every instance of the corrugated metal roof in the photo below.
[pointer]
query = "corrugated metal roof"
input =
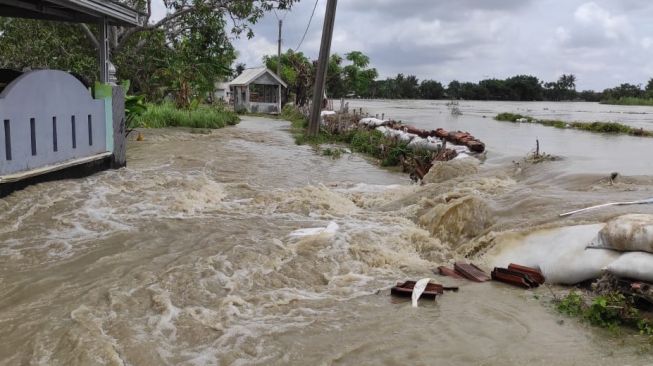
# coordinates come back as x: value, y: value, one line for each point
x: 250, y: 75
x: 83, y: 11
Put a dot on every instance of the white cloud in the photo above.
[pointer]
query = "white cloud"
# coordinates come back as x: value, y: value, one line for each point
x: 469, y: 40
x: 614, y: 26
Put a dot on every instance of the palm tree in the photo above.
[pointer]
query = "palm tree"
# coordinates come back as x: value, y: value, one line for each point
x: 568, y: 82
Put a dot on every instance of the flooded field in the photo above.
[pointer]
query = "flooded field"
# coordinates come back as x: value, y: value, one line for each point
x: 186, y: 258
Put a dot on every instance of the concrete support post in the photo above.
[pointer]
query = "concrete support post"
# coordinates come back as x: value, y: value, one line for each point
x: 323, y: 61
x: 104, y: 51
x: 119, y: 128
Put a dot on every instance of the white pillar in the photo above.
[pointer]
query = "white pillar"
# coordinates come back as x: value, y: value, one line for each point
x: 104, y: 50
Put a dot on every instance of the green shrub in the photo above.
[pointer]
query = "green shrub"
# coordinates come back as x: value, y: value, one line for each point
x: 611, y: 311
x: 629, y: 101
x: 167, y: 115
x: 510, y: 117
x: 600, y: 127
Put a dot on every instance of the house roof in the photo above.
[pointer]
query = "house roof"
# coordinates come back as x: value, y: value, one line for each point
x: 77, y: 11
x: 249, y: 75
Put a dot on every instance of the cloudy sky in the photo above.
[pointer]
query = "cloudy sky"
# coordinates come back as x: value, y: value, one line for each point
x: 603, y: 42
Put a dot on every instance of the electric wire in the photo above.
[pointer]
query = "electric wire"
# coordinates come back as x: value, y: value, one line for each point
x: 307, y: 26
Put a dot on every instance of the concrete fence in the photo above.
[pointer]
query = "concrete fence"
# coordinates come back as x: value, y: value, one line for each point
x: 48, y: 117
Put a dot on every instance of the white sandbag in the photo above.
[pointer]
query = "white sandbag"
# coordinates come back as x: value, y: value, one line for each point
x: 327, y: 113
x: 419, y: 143
x: 635, y: 265
x: 560, y: 253
x: 371, y: 121
x: 405, y: 136
x: 460, y: 149
x: 383, y: 130
x: 633, y: 232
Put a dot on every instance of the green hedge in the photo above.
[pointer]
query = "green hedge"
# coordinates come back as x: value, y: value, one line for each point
x: 167, y: 115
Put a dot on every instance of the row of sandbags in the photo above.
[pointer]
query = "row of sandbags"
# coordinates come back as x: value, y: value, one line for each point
x: 570, y: 255
x: 632, y: 236
x: 462, y: 142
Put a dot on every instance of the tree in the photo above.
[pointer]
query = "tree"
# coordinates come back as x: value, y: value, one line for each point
x: 431, y: 89
x: 649, y: 88
x: 358, y: 78
x: 453, y: 89
x: 240, y: 67
x: 567, y: 82
x: 335, y: 84
x: 297, y: 71
x: 525, y: 87
x: 496, y: 89
x: 623, y: 91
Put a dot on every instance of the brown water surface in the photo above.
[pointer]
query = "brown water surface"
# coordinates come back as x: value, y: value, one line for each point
x: 185, y: 258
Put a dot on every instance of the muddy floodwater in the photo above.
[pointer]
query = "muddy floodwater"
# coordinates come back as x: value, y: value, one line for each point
x: 186, y: 256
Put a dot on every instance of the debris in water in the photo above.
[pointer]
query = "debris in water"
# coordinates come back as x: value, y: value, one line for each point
x: 430, y: 291
x: 471, y: 272
x: 445, y: 271
x: 418, y: 289
x: 512, y: 277
x: 331, y: 229
x: 641, y: 202
x: 421, y: 288
x: 533, y: 273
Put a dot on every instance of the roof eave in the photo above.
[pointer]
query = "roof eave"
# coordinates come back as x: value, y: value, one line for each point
x: 77, y: 11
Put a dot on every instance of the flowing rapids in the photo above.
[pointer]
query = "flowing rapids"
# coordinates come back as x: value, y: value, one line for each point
x: 186, y: 258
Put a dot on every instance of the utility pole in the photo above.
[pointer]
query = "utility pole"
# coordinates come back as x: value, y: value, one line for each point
x: 323, y: 61
x: 279, y: 50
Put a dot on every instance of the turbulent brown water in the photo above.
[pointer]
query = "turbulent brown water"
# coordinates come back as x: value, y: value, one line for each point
x: 185, y: 257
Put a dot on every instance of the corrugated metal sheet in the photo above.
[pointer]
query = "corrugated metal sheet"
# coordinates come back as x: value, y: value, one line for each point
x: 84, y: 11
x: 249, y: 75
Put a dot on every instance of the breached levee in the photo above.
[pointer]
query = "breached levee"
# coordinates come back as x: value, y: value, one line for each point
x: 427, y: 146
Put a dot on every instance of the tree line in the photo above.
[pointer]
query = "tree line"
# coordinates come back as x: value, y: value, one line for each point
x: 352, y: 76
x: 185, y: 53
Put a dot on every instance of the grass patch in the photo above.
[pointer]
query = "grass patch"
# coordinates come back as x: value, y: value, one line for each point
x: 167, y: 115
x: 599, y: 127
x: 612, y: 311
x: 629, y: 101
x: 369, y: 142
x: 512, y: 117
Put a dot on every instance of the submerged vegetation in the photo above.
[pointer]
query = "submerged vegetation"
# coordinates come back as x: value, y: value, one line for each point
x: 201, y: 116
x: 611, y: 310
x: 629, y: 101
x: 389, y: 151
x: 600, y: 127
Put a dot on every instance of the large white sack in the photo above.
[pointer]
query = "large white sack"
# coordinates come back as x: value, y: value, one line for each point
x: 405, y: 136
x: 371, y: 121
x: 633, y: 232
x: 423, y: 144
x: 560, y: 253
x: 635, y: 265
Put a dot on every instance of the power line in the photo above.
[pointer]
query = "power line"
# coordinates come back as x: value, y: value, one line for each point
x: 307, y: 26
